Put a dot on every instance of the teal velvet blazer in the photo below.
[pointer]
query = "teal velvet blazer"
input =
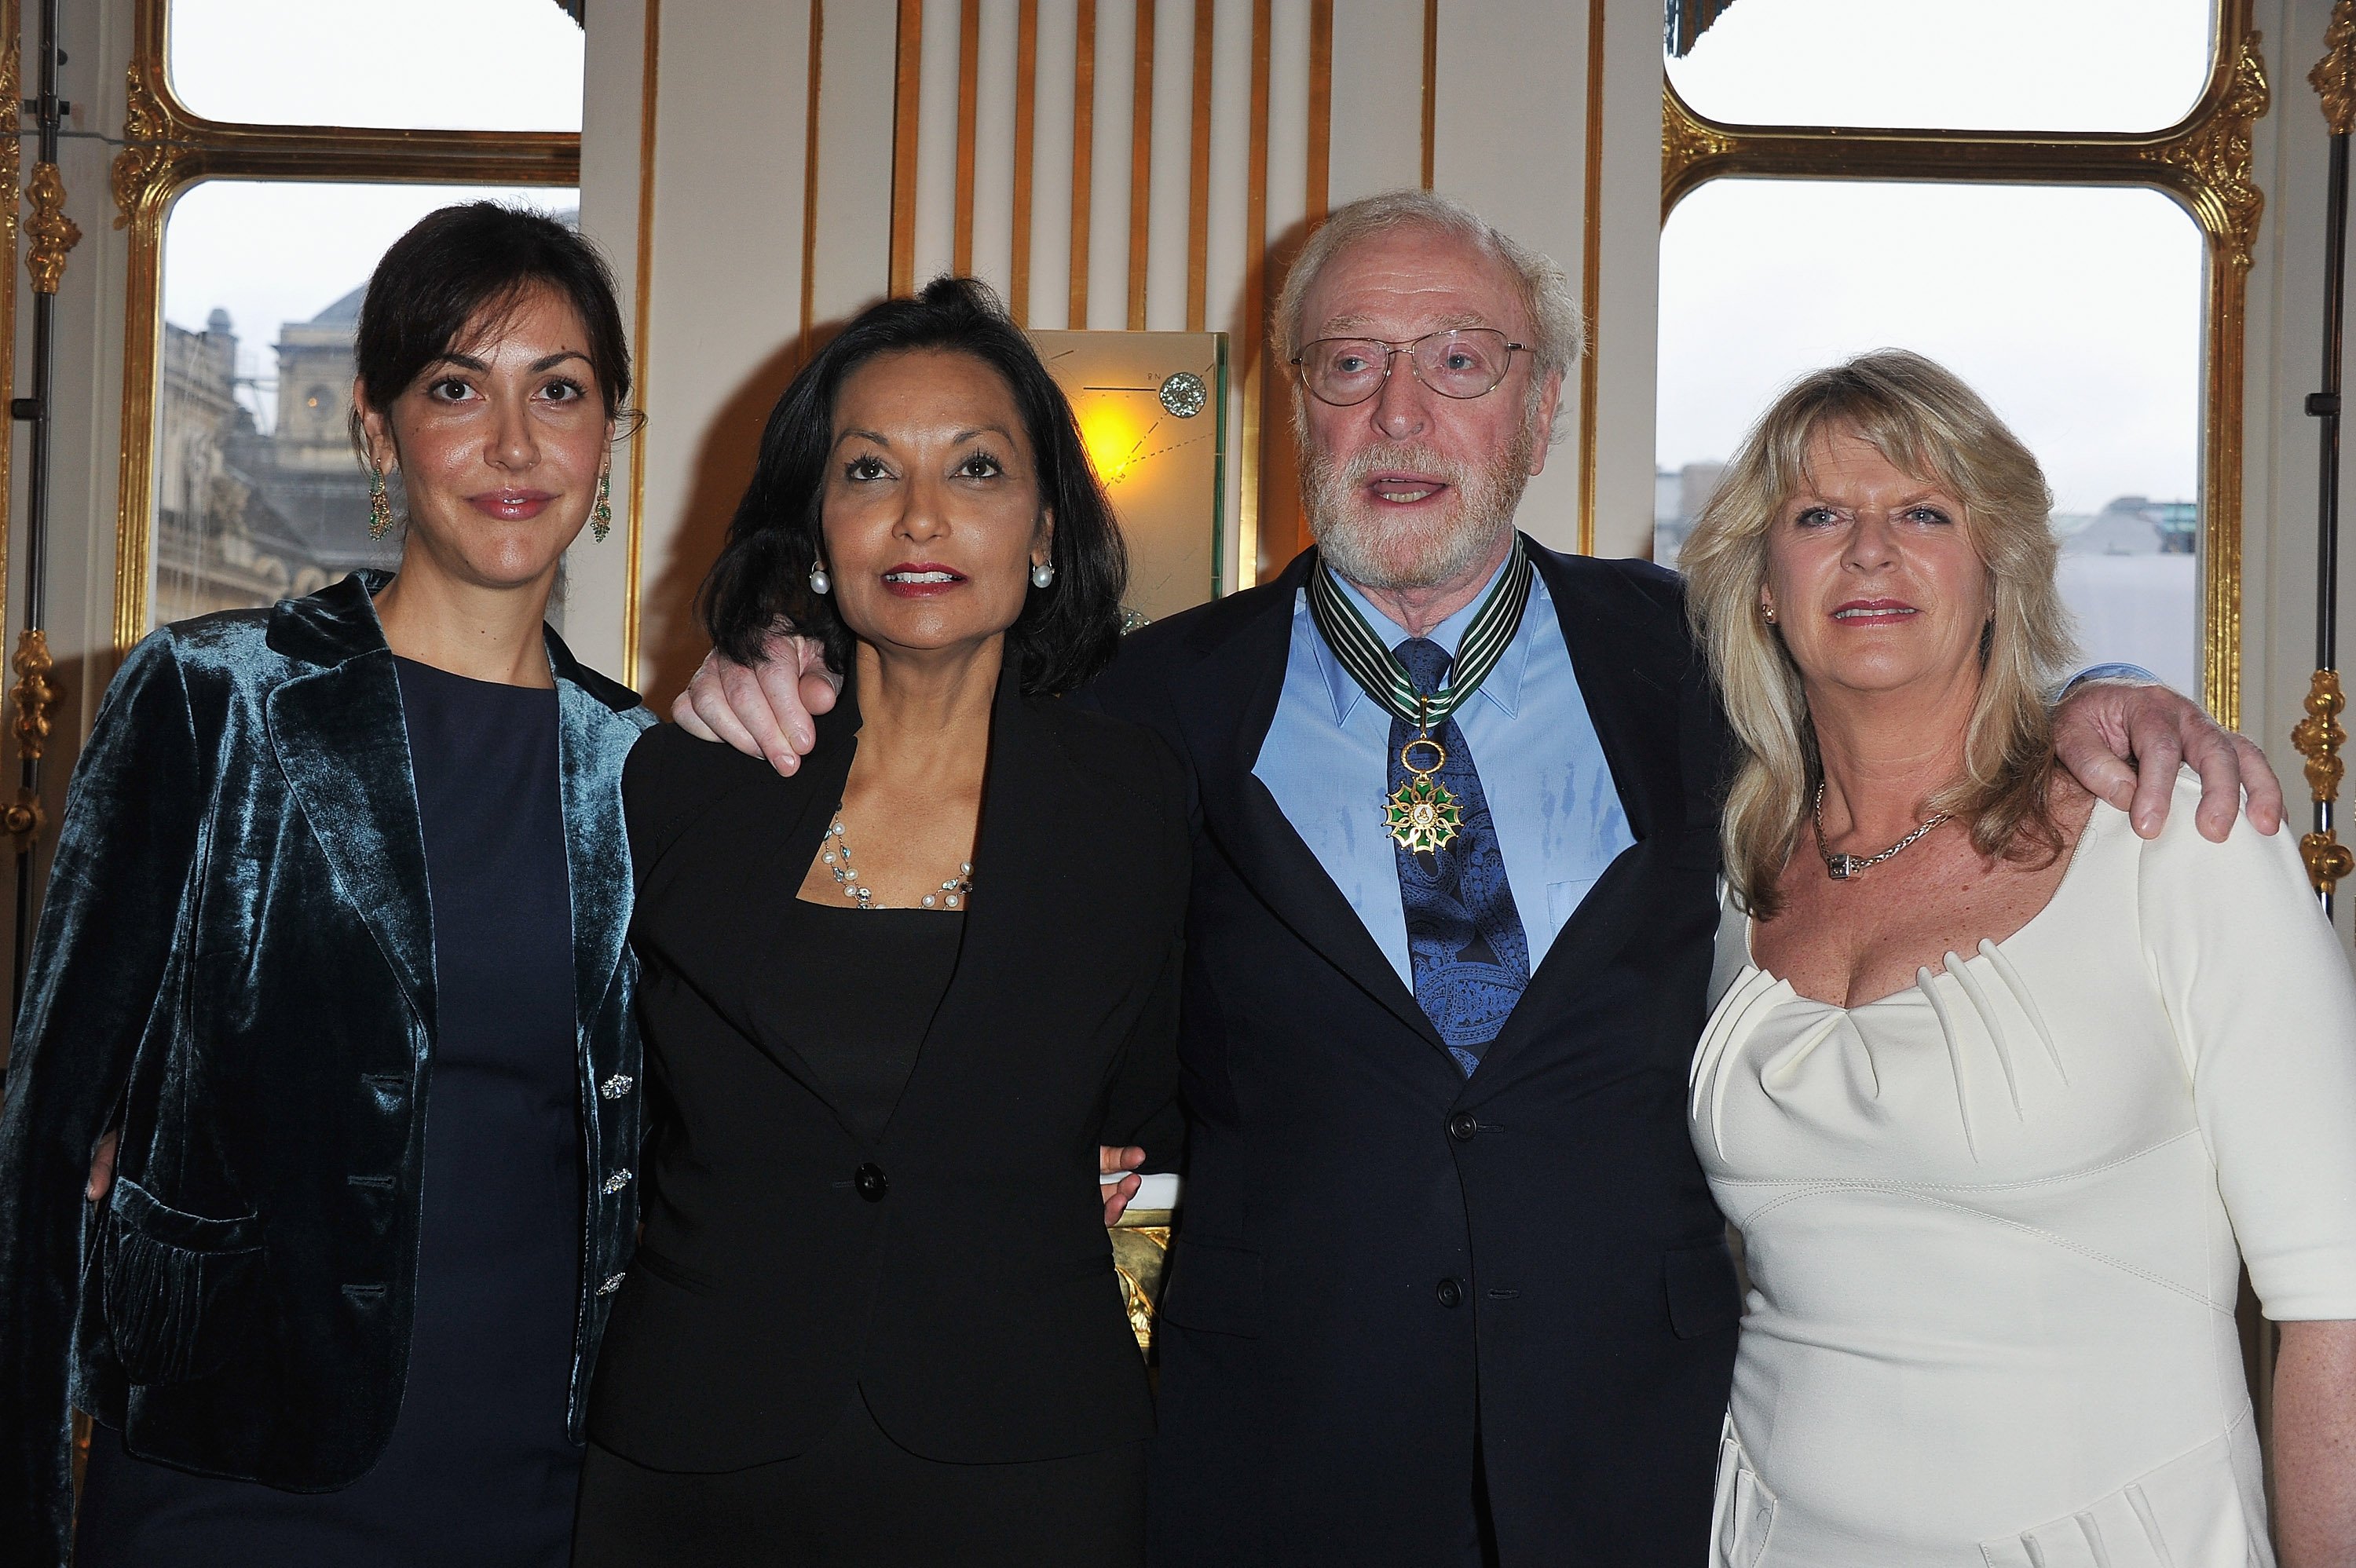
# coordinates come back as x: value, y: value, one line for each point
x: 235, y: 961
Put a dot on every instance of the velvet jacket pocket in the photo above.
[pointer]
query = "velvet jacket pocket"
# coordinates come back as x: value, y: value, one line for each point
x: 180, y: 1288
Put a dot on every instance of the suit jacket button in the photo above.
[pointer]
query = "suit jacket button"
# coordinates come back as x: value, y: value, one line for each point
x: 1463, y: 1125
x: 872, y: 1182
x: 1448, y: 1292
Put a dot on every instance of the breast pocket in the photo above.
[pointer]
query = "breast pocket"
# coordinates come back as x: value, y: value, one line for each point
x: 1563, y: 900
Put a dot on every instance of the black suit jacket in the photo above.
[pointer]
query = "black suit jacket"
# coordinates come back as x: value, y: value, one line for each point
x: 955, y: 1270
x: 1379, y: 1256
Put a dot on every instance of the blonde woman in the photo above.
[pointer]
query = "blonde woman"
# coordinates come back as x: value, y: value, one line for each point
x: 2001, y: 1094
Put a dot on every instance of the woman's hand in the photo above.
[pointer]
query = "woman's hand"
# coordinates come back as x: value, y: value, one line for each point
x: 1117, y: 1194
x: 2315, y: 1445
x: 2124, y: 740
x: 101, y: 1167
x: 763, y: 710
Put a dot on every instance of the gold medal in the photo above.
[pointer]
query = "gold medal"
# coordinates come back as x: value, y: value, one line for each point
x: 1423, y: 813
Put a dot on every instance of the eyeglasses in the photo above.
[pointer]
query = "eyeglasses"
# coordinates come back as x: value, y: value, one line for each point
x: 1464, y: 362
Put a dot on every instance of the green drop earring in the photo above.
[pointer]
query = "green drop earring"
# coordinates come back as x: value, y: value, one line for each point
x: 601, y: 518
x: 379, y: 505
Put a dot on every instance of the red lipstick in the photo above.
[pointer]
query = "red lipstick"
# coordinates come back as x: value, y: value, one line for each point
x: 921, y: 580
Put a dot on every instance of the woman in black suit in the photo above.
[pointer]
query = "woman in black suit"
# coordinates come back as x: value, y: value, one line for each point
x: 873, y: 1317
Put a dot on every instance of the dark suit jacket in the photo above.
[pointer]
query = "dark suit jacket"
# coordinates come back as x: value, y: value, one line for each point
x: 956, y: 1268
x: 1379, y: 1256
x: 237, y: 957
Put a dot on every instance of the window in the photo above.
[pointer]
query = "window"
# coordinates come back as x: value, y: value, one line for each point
x: 2075, y: 312
x: 2067, y: 223
x: 1991, y: 65
x: 311, y: 134
x: 457, y: 65
x: 258, y: 492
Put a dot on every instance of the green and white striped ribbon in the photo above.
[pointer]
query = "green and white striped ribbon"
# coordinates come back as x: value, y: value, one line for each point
x: 1378, y: 671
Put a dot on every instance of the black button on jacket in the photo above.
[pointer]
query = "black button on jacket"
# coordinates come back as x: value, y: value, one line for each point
x: 237, y: 953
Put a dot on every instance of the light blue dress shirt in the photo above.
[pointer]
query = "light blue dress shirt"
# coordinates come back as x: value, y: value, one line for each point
x: 1327, y: 761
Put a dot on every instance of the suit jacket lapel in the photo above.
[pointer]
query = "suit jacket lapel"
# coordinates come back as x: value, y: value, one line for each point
x: 1637, y: 723
x: 589, y: 758
x: 1027, y: 791
x: 1243, y: 678
x: 341, y: 740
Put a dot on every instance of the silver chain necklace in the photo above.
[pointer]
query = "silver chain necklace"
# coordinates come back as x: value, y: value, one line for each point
x: 835, y: 855
x: 1841, y: 868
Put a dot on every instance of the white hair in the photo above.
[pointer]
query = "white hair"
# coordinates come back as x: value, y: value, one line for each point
x: 1558, y: 332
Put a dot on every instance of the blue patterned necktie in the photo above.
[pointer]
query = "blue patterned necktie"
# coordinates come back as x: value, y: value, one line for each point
x: 1463, y: 934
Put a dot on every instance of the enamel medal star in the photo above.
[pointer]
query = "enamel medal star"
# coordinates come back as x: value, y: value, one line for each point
x: 1422, y: 815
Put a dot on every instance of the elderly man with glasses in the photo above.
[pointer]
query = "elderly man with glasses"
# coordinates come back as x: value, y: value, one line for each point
x: 1450, y: 1287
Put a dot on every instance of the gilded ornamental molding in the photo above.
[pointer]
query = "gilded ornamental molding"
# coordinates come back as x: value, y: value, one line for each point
x: 146, y: 125
x: 53, y: 232
x: 2216, y: 160
x: 2334, y: 76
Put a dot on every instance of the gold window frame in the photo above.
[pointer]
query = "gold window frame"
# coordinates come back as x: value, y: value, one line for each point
x: 167, y: 147
x: 2204, y: 162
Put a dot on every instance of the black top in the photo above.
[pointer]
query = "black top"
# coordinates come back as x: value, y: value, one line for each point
x: 499, y: 1253
x: 886, y: 970
x: 950, y: 1266
x: 479, y: 1468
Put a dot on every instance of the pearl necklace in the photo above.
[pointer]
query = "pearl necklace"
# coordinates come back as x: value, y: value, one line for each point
x: 835, y: 855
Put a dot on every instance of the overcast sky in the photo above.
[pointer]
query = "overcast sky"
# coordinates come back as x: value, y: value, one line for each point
x: 270, y: 252
x: 2076, y: 312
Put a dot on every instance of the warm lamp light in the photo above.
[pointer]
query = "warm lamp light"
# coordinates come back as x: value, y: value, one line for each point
x: 1152, y: 407
x: 1114, y: 439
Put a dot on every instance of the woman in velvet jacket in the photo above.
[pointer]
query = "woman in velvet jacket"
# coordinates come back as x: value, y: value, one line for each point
x: 322, y: 865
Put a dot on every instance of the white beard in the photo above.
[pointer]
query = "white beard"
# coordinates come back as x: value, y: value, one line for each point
x: 1388, y: 552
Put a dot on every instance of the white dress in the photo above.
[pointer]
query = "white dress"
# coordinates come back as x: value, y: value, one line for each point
x: 1991, y: 1222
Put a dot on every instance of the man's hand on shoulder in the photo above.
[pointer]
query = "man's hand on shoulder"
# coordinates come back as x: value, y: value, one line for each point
x: 765, y: 709
x: 2124, y: 740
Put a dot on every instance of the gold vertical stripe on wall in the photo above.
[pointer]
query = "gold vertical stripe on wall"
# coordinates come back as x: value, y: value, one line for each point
x: 1590, y: 276
x: 1084, y: 132
x: 1198, y: 178
x: 809, y: 180
x: 1430, y: 81
x: 968, y: 89
x: 1253, y: 339
x: 1320, y: 107
x: 906, y: 84
x: 1026, y: 92
x: 642, y: 324
x: 1140, y: 165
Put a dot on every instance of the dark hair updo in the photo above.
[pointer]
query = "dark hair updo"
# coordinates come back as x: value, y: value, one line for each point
x: 1065, y: 632
x: 462, y: 265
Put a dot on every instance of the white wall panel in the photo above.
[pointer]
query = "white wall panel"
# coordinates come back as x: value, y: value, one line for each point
x: 1174, y: 151
x: 1377, y: 97
x: 1109, y: 179
x: 937, y: 140
x: 1051, y: 166
x: 994, y: 145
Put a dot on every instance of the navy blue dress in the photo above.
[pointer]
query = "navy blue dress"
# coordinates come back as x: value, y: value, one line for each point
x: 479, y: 1470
